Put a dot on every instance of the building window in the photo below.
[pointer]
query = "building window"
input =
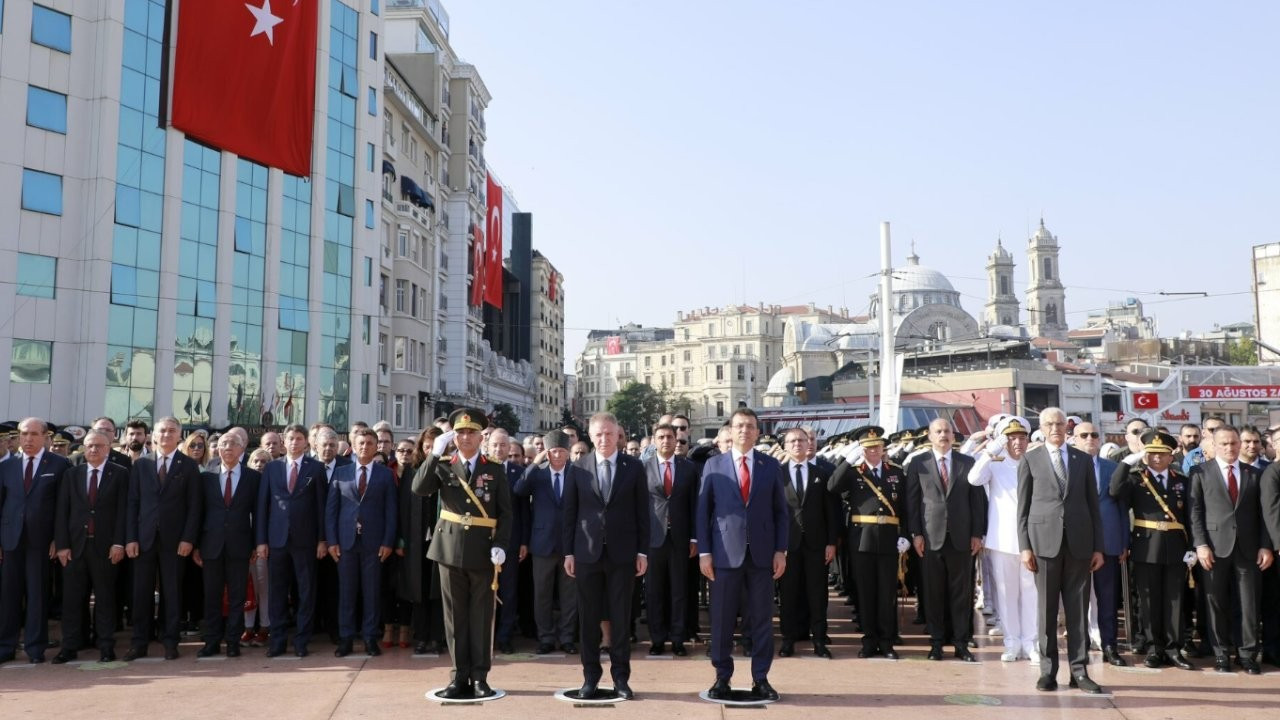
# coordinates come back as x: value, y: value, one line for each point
x: 373, y: 46
x: 742, y: 372
x: 688, y: 356
x: 373, y: 102
x: 719, y: 372
x: 37, y: 275
x: 369, y: 220
x: 1048, y: 268
x: 397, y: 411
x: 369, y: 152
x: 364, y: 389
x: 400, y: 354
x: 46, y: 109
x: 51, y: 28
x: 31, y: 361
x: 711, y: 330
x: 402, y: 287
x: 366, y: 333
x: 41, y: 192
x: 688, y: 377
x: 1004, y: 284
x: 748, y: 331
x: 368, y: 271
x: 375, y: 6
x: 719, y: 408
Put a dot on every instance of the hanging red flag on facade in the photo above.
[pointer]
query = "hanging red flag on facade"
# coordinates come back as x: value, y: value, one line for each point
x: 245, y: 78
x: 493, y: 244
x: 478, y: 274
x: 551, y: 286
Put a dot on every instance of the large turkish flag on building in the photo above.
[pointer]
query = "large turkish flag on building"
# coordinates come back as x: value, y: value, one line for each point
x: 493, y: 244
x: 245, y: 78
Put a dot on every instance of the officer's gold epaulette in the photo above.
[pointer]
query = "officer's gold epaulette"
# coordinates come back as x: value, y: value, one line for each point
x: 892, y: 464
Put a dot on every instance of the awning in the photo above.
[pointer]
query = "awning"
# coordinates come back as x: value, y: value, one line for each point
x: 388, y: 168
x: 416, y: 194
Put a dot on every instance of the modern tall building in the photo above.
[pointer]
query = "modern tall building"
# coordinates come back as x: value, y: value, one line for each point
x: 547, y: 342
x: 147, y: 274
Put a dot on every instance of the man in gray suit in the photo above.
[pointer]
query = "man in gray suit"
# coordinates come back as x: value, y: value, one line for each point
x: 1060, y: 539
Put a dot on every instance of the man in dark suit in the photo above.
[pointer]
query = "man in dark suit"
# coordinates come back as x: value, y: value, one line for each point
x: 874, y: 490
x: 1060, y: 539
x: 948, y: 519
x: 811, y: 546
x: 1114, y: 512
x: 742, y: 496
x: 472, y: 528
x: 360, y: 523
x: 28, y: 505
x: 605, y: 538
x: 1233, y: 544
x: 544, y: 485
x: 161, y: 530
x: 517, y: 547
x: 290, y: 534
x: 89, y: 534
x: 227, y: 543
x: 673, y: 496
x: 108, y: 426
x: 1158, y: 493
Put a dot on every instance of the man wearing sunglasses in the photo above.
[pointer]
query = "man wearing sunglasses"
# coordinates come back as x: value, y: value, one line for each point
x: 1104, y: 610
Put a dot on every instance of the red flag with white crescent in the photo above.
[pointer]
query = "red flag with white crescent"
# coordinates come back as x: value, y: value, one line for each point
x: 551, y: 287
x: 493, y: 244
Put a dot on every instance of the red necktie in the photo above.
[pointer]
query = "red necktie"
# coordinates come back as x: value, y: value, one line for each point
x: 293, y: 476
x: 226, y: 491
x: 364, y: 482
x: 1233, y: 490
x: 93, y: 498
x: 744, y: 479
x: 666, y: 478
x: 942, y: 471
x: 28, y: 476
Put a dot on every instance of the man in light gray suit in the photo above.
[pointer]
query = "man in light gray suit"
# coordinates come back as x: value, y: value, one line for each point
x: 1060, y: 539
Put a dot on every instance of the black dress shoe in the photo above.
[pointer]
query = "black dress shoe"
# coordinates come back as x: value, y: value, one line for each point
x: 302, y: 652
x: 624, y: 691
x: 677, y: 649
x: 866, y: 653
x: 1181, y: 662
x: 720, y: 690
x: 63, y: 657
x: 274, y: 651
x: 209, y: 650
x: 569, y: 649
x: 1111, y: 655
x: 372, y: 649
x: 343, y: 649
x: 821, y: 651
x: 456, y: 689
x: 1086, y: 684
x: 171, y: 653
x: 1154, y: 659
x: 1251, y: 666
x: 587, y: 691
x: 891, y: 654
x: 787, y: 650
x: 1047, y: 683
x: 762, y: 690
x: 35, y: 659
x: 935, y: 653
x: 1222, y: 664
x: 544, y: 648
x: 130, y: 655
x: 107, y: 656
x: 481, y: 689
x: 964, y: 655
x: 657, y: 648
x: 233, y: 650
x: 420, y: 648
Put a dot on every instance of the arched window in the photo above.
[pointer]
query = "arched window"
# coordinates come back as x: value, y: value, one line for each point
x: 1048, y: 268
x: 1004, y: 285
x: 1051, y: 314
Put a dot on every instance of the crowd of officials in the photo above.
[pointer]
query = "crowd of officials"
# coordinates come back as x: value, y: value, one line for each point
x: 1021, y: 531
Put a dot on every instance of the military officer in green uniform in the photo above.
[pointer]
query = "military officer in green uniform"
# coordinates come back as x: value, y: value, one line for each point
x: 874, y: 491
x: 1158, y: 494
x: 472, y: 528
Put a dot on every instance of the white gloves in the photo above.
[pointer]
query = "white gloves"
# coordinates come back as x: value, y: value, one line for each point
x: 1132, y: 459
x: 998, y: 444
x: 497, y: 556
x: 442, y: 442
x: 1189, y: 558
x: 903, y: 545
x: 854, y: 454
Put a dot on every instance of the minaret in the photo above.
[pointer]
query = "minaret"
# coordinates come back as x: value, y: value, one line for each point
x: 1046, y: 298
x: 1002, y: 304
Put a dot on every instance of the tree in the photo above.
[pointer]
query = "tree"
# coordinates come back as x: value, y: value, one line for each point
x: 1241, y: 352
x: 637, y: 406
x: 567, y: 418
x: 677, y: 403
x: 504, y: 416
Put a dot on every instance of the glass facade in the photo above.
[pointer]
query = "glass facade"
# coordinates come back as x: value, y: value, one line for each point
x: 51, y: 28
x: 135, y: 269
x: 197, y: 292
x: 339, y: 216
x: 41, y: 192
x: 244, y: 379
x: 294, y: 321
x: 37, y: 275
x: 31, y: 361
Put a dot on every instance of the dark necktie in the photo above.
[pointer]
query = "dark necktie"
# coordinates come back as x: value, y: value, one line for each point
x: 1233, y: 490
x: 29, y: 476
x: 364, y: 482
x: 799, y: 484
x: 666, y: 478
x: 93, y: 498
x: 744, y: 479
x: 556, y: 486
x: 160, y: 471
x: 466, y: 470
x: 1160, y: 479
x: 606, y: 481
x: 226, y: 491
x: 1059, y: 471
x: 293, y: 476
x: 942, y: 472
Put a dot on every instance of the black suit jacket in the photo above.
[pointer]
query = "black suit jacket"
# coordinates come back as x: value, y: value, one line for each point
x: 960, y: 512
x: 621, y: 525
x: 1215, y: 522
x: 230, y: 529
x: 72, y: 522
x: 170, y: 514
x: 815, y: 523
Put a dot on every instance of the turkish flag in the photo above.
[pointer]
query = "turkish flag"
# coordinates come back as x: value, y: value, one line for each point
x: 245, y: 78
x: 1146, y: 400
x: 493, y: 244
x: 478, y: 273
x: 551, y: 287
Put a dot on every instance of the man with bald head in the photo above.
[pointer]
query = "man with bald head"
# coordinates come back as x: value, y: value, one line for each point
x: 28, y: 502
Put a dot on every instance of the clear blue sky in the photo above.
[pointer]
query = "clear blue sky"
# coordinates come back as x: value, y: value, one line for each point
x: 677, y: 154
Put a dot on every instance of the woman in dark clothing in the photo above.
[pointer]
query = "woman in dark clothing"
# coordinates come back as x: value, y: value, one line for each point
x: 419, y: 582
